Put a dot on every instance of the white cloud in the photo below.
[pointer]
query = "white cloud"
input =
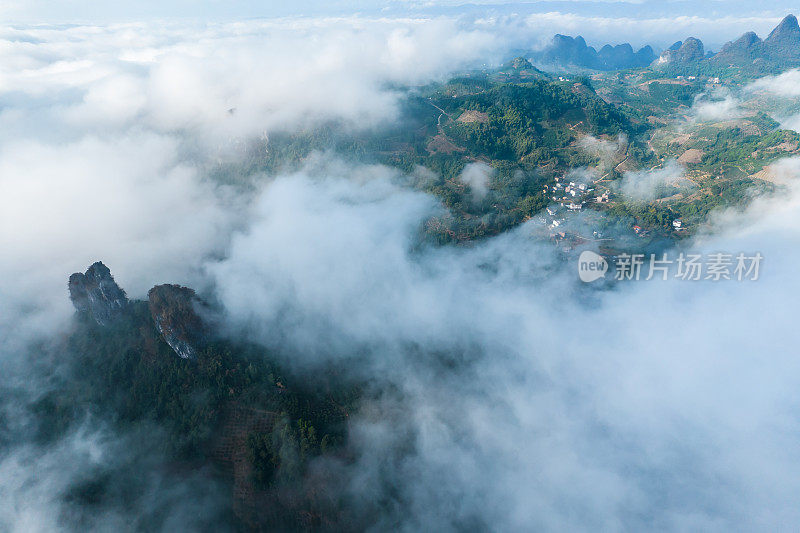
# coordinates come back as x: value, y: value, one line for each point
x: 786, y: 84
x: 514, y: 399
x: 36, y: 484
x: 478, y: 176
x: 718, y: 107
x: 128, y: 201
x: 781, y: 92
x: 275, y: 74
x: 520, y: 399
x: 652, y: 22
x: 107, y: 132
x: 644, y: 185
x: 602, y: 147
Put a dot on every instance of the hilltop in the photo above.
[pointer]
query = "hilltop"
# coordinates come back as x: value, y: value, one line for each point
x: 780, y: 49
x: 747, y: 56
x: 226, y: 408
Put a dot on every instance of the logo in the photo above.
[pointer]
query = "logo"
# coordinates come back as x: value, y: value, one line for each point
x: 591, y: 266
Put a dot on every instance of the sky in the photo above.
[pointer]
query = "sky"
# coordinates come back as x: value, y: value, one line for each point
x: 716, y: 21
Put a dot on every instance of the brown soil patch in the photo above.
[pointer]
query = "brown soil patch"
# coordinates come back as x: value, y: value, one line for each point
x: 443, y: 145
x: 691, y: 156
x: 473, y: 116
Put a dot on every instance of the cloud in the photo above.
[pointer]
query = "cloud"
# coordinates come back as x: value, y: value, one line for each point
x: 514, y: 400
x: 41, y: 487
x: 786, y: 84
x: 507, y: 395
x: 109, y: 132
x: 718, y: 106
x: 602, y: 147
x: 781, y: 93
x: 608, y: 151
x: 645, y: 185
x: 110, y: 137
x: 129, y: 201
x: 477, y: 176
x: 232, y: 79
x: 600, y: 21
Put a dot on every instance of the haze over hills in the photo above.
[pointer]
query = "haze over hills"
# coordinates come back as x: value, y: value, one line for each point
x: 565, y: 51
x: 782, y: 45
x: 748, y: 54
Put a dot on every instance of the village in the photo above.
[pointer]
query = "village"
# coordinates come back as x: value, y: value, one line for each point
x: 573, y: 197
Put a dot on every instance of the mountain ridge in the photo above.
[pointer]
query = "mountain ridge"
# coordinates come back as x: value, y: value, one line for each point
x: 748, y: 53
x: 566, y: 50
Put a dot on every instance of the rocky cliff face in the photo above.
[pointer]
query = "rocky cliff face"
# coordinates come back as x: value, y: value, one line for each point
x: 96, y: 293
x: 174, y: 309
x: 175, y: 313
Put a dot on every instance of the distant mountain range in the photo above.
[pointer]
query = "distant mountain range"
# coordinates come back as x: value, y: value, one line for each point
x: 573, y: 51
x: 748, y: 54
x: 781, y: 46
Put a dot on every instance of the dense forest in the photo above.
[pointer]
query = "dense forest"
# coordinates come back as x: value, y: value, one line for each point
x: 231, y: 409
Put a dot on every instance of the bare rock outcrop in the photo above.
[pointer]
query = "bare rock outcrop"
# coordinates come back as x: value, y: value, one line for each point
x: 175, y: 312
x: 96, y: 293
